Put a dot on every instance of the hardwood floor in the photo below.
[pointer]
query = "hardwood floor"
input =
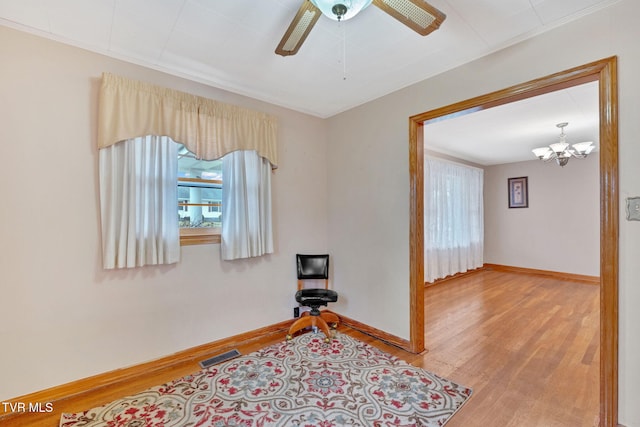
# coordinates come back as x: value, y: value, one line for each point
x: 527, y: 345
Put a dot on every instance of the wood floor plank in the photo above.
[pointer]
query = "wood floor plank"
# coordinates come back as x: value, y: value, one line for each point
x: 527, y: 345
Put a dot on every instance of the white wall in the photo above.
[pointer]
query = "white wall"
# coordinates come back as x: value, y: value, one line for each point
x: 62, y: 316
x: 368, y: 162
x: 559, y: 231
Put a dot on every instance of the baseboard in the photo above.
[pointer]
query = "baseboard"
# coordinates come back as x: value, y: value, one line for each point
x: 118, y: 377
x: 594, y: 280
x: 455, y: 276
x: 375, y: 333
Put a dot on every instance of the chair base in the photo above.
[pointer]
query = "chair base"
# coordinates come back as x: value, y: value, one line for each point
x: 321, y: 322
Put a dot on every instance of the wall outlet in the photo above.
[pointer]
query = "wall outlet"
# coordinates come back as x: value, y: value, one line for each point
x: 296, y: 311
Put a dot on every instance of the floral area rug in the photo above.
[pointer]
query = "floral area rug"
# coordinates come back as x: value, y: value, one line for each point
x: 305, y: 382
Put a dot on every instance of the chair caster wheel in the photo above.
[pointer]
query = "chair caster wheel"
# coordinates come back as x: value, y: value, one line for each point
x: 289, y: 337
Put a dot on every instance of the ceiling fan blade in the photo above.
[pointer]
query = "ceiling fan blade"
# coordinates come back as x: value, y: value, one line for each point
x: 299, y: 29
x: 418, y: 15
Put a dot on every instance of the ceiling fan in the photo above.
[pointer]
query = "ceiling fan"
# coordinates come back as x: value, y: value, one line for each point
x: 418, y: 15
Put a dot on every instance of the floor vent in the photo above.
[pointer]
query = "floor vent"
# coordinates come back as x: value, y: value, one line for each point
x: 219, y: 358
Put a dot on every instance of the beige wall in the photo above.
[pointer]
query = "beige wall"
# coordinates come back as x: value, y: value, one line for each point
x: 559, y: 231
x: 369, y: 175
x: 62, y: 316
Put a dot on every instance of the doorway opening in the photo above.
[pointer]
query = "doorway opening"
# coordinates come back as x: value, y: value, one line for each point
x: 605, y: 73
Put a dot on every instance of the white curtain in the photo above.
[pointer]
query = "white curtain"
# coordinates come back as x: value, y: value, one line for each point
x: 453, y: 218
x: 138, y: 196
x: 246, y: 206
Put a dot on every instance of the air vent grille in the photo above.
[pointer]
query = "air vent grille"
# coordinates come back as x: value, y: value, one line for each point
x: 219, y: 358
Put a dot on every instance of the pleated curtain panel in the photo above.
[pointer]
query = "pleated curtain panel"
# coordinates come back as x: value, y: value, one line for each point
x: 246, y: 206
x: 139, y: 126
x: 138, y: 196
x: 453, y: 218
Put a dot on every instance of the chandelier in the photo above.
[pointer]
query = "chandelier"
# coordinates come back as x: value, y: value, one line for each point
x: 340, y: 10
x: 561, y: 152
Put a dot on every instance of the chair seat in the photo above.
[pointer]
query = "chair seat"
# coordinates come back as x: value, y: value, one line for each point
x: 310, y: 297
x: 314, y: 267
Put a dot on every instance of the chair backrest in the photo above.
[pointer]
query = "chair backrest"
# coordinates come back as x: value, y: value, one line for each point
x: 313, y: 267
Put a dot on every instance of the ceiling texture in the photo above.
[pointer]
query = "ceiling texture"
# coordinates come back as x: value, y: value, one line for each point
x: 508, y: 133
x: 230, y: 44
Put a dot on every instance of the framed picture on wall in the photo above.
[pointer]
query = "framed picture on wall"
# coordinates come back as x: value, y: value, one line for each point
x: 518, y: 192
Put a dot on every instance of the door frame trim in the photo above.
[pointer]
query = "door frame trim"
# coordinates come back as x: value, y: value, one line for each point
x: 605, y: 72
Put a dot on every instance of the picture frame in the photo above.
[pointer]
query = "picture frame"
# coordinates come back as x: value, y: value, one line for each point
x: 518, y: 192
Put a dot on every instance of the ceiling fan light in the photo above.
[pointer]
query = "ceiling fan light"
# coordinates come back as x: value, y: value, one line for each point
x: 353, y: 8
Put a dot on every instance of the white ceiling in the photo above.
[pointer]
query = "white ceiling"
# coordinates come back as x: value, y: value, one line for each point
x: 230, y: 44
x: 508, y: 133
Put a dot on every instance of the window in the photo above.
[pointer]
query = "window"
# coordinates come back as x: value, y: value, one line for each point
x: 454, y: 218
x: 199, y: 199
x: 138, y: 180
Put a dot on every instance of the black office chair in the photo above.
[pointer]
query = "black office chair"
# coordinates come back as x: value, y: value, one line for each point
x: 314, y: 267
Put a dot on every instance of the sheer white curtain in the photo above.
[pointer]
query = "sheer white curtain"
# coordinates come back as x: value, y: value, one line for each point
x: 138, y: 195
x: 453, y: 218
x: 246, y: 206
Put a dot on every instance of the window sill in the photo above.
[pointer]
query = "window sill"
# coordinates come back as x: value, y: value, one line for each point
x: 199, y: 236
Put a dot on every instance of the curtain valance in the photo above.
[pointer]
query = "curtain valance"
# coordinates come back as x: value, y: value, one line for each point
x: 208, y: 128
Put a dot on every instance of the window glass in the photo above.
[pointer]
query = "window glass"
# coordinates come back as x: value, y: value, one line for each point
x: 199, y: 191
